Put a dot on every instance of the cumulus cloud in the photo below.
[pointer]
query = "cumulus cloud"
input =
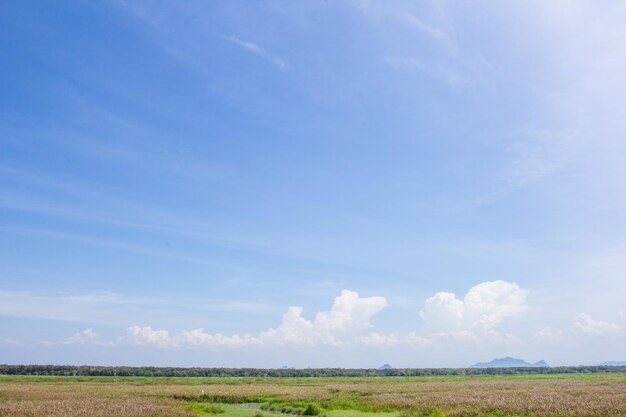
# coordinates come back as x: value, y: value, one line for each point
x: 293, y: 329
x: 480, y: 311
x: 148, y: 336
x: 443, y: 310
x: 585, y: 324
x: 489, y: 303
x: 350, y: 314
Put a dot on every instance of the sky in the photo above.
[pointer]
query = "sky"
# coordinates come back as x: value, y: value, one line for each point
x: 324, y: 183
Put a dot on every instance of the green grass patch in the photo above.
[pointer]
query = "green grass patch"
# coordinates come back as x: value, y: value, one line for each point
x: 204, y: 409
x: 296, y: 408
x: 227, y: 410
x: 357, y: 413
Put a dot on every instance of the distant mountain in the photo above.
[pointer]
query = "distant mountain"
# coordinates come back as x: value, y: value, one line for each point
x: 613, y: 363
x: 386, y: 366
x: 509, y: 362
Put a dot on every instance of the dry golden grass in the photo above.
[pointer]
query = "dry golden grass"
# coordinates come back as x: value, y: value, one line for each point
x: 93, y: 407
x: 595, y: 395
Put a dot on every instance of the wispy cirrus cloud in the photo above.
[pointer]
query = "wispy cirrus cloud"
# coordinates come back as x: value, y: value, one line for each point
x: 416, y: 23
x: 106, y: 308
x: 101, y: 307
x: 257, y: 50
x: 402, y: 14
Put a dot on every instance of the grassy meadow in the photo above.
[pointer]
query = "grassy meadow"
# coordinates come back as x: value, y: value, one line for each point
x: 523, y: 395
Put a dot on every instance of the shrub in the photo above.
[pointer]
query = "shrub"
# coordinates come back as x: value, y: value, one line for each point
x: 311, y: 410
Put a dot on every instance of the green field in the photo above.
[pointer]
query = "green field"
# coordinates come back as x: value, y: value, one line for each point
x: 506, y: 395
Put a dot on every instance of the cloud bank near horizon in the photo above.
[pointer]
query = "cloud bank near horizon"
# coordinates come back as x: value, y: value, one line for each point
x: 446, y: 320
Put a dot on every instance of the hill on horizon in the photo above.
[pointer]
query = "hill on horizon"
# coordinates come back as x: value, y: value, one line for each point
x: 509, y: 362
x: 613, y: 363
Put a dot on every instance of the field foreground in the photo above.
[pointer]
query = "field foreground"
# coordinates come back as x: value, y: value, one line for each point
x: 554, y: 395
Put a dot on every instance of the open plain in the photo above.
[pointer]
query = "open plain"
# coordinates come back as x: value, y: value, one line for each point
x: 523, y: 395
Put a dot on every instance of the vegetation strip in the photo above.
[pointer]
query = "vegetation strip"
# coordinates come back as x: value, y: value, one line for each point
x: 63, y: 370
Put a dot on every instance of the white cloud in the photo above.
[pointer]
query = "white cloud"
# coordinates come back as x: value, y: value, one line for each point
x: 82, y: 337
x: 482, y: 309
x: 375, y: 339
x: 587, y: 325
x: 443, y: 310
x: 349, y: 315
x: 85, y: 337
x: 148, y: 336
x: 198, y: 337
x: 450, y: 320
x: 488, y: 303
x: 294, y: 329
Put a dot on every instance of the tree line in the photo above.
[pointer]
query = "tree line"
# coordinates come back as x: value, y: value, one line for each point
x: 149, y: 371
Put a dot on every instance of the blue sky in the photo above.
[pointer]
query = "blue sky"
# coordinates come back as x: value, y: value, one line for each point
x: 323, y: 183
